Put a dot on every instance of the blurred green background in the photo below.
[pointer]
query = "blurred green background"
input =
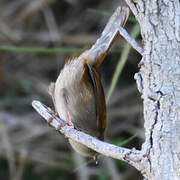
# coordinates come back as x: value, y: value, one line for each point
x: 36, y: 36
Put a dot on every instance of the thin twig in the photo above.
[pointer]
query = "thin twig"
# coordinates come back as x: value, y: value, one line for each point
x: 32, y: 8
x: 1, y: 72
x: 112, y: 169
x: 51, y: 24
x: 22, y: 163
x: 131, y: 156
x: 82, y: 172
x: 8, y: 148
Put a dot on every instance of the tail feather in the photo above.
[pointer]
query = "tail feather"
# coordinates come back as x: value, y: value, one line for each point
x: 99, y: 50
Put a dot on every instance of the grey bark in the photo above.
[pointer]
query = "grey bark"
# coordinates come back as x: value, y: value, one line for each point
x: 159, y: 82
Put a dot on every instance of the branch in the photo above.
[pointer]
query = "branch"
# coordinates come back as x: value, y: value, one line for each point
x: 131, y: 156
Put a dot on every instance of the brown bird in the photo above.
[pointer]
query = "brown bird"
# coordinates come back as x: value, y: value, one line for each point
x: 78, y: 94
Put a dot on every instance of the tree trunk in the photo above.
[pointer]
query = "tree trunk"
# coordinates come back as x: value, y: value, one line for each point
x: 159, y: 82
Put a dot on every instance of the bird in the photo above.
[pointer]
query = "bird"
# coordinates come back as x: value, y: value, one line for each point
x: 78, y: 94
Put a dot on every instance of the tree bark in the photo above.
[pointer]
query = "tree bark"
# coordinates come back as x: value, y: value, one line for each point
x: 159, y: 82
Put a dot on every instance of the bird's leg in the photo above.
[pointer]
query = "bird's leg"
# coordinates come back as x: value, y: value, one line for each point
x: 67, y: 115
x: 130, y: 40
x: 96, y: 54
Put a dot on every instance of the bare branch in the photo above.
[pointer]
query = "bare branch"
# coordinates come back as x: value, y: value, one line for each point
x: 131, y: 156
x: 31, y: 8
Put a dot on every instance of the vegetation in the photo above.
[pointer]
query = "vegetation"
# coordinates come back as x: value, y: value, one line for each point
x: 29, y: 149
